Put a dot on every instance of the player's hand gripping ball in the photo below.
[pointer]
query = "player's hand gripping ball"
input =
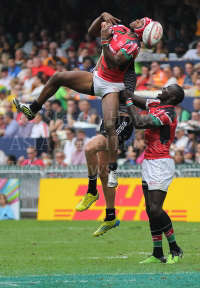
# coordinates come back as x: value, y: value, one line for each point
x: 152, y: 34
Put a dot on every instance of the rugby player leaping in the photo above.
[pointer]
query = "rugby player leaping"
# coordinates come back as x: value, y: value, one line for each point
x: 121, y: 46
x: 158, y: 167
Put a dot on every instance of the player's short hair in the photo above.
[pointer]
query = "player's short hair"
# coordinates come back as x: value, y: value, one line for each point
x: 179, y: 93
x: 80, y: 131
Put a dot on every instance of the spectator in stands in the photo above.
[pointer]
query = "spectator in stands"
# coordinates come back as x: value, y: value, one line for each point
x: 59, y: 158
x: 72, y: 57
x: 197, y: 156
x: 87, y: 64
x: 38, y: 84
x: 38, y: 67
x: 54, y: 142
x: 13, y: 69
x: 189, y: 68
x: 20, y: 39
x: 194, y: 91
x: 183, y: 115
x: 48, y: 113
x: 72, y: 114
x: 25, y: 127
x: 5, y: 210
x: 157, y: 77
x: 78, y: 156
x: 182, y: 140
x: 189, y: 151
x: 59, y: 113
x: 84, y: 53
x: 53, y: 59
x: 169, y: 75
x: 3, y: 158
x: 8, y: 106
x: 19, y: 58
x: 179, y: 158
x: 64, y: 94
x: 141, y: 151
x: 90, y: 43
x: 40, y: 128
x: 196, y: 116
x: 87, y: 114
x: 11, y: 126
x: 161, y: 48
x: 178, y: 73
x: 173, y: 41
x: 32, y: 158
x: 59, y: 51
x: 196, y: 104
x: 69, y: 147
x: 131, y: 155
x: 143, y: 79
x: 80, y: 134
x: 28, y: 82
x: 193, y: 53
x: 28, y: 46
x: 22, y: 74
x: 2, y: 124
x: 5, y: 78
x: 11, y: 160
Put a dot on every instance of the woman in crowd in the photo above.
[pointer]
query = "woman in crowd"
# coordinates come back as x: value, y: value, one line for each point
x: 54, y: 142
x: 178, y: 73
x: 5, y: 210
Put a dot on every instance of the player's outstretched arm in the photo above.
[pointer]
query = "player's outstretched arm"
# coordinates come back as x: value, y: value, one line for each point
x: 95, y: 28
x: 137, y: 100
x: 146, y: 122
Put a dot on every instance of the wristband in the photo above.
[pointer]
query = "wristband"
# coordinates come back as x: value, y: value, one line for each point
x: 104, y: 42
x: 129, y: 102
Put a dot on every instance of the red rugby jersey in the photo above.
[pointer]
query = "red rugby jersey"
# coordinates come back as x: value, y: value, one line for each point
x: 159, y: 139
x: 129, y: 46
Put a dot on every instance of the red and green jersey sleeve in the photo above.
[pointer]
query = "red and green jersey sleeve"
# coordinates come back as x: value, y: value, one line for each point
x: 130, y: 50
x: 163, y: 117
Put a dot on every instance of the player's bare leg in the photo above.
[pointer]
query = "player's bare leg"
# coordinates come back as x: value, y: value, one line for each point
x: 110, y: 106
x: 79, y: 81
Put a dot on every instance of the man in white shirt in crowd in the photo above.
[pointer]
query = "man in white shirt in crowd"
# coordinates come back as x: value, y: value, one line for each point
x: 182, y: 139
x: 80, y: 134
x: 170, y: 78
x: 39, y: 83
x: 40, y: 128
x: 69, y: 147
x: 5, y: 78
x: 28, y: 81
x: 193, y: 53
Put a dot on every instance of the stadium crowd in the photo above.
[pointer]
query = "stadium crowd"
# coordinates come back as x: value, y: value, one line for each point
x: 33, y: 48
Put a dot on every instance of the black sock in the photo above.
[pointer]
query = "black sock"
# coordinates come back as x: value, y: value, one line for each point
x: 92, y: 186
x: 166, y: 226
x: 35, y: 107
x: 110, y: 214
x: 156, y: 233
x: 112, y: 166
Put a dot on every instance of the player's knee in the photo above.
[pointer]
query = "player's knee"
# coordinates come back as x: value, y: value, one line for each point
x: 154, y: 210
x: 87, y: 149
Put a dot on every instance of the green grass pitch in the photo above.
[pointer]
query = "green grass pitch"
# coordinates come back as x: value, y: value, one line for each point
x: 65, y: 254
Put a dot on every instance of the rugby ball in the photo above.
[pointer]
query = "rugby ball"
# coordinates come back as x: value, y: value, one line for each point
x: 152, y: 34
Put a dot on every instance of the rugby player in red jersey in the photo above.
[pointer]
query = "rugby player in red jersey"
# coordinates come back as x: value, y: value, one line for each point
x: 158, y: 167
x: 121, y: 46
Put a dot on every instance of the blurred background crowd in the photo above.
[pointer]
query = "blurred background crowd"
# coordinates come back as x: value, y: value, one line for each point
x: 38, y: 39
